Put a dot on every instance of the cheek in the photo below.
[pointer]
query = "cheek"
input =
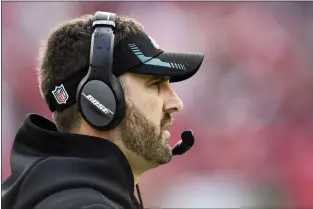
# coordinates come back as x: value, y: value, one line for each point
x: 153, y: 110
x: 151, y: 105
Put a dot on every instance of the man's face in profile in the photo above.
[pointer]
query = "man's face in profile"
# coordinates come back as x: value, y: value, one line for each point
x: 150, y: 102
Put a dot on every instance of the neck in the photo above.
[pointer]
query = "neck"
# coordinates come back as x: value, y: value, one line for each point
x: 137, y: 163
x: 136, y: 177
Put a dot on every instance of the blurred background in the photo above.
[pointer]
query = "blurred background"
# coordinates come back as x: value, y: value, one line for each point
x: 250, y: 106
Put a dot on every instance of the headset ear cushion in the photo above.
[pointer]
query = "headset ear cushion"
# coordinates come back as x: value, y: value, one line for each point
x: 120, y: 101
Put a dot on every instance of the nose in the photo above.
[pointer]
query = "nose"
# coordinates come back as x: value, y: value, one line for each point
x: 172, y: 103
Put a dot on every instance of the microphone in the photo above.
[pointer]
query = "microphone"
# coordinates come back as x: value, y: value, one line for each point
x: 185, y: 144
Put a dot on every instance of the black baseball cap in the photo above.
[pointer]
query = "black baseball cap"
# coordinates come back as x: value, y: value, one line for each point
x: 137, y: 54
x: 140, y: 54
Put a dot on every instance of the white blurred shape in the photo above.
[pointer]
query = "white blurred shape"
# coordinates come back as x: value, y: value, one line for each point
x: 202, y: 192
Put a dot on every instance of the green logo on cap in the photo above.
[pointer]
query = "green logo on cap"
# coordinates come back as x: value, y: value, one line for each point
x: 154, y: 61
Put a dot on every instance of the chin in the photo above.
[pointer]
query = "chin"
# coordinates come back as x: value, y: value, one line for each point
x: 165, y: 156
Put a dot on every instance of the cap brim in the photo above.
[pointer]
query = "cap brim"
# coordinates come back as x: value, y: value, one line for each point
x: 178, y: 66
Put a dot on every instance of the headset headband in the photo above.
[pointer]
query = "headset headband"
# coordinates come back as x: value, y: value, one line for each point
x: 101, y: 61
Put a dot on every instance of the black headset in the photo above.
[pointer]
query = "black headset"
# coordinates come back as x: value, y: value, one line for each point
x: 100, y: 97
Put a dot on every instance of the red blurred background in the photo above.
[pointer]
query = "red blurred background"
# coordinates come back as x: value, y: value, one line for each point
x: 250, y: 106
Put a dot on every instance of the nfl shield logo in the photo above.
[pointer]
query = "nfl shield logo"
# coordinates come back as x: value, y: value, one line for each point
x: 60, y: 94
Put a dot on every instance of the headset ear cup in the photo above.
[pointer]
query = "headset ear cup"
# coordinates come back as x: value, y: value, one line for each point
x: 98, y: 104
x: 113, y: 99
x: 120, y: 102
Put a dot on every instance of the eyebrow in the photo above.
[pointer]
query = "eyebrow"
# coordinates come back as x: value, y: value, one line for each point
x: 158, y: 77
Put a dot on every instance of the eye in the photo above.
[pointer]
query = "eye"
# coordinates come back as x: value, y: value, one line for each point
x: 157, y: 84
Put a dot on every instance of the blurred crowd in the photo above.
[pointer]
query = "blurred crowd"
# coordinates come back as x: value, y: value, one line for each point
x: 250, y: 106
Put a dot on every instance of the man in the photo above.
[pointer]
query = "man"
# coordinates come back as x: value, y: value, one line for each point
x: 78, y: 166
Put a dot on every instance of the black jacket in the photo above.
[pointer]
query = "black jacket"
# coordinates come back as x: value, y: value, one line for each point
x: 69, y: 171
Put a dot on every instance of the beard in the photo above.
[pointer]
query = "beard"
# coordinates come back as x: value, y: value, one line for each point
x: 144, y: 138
